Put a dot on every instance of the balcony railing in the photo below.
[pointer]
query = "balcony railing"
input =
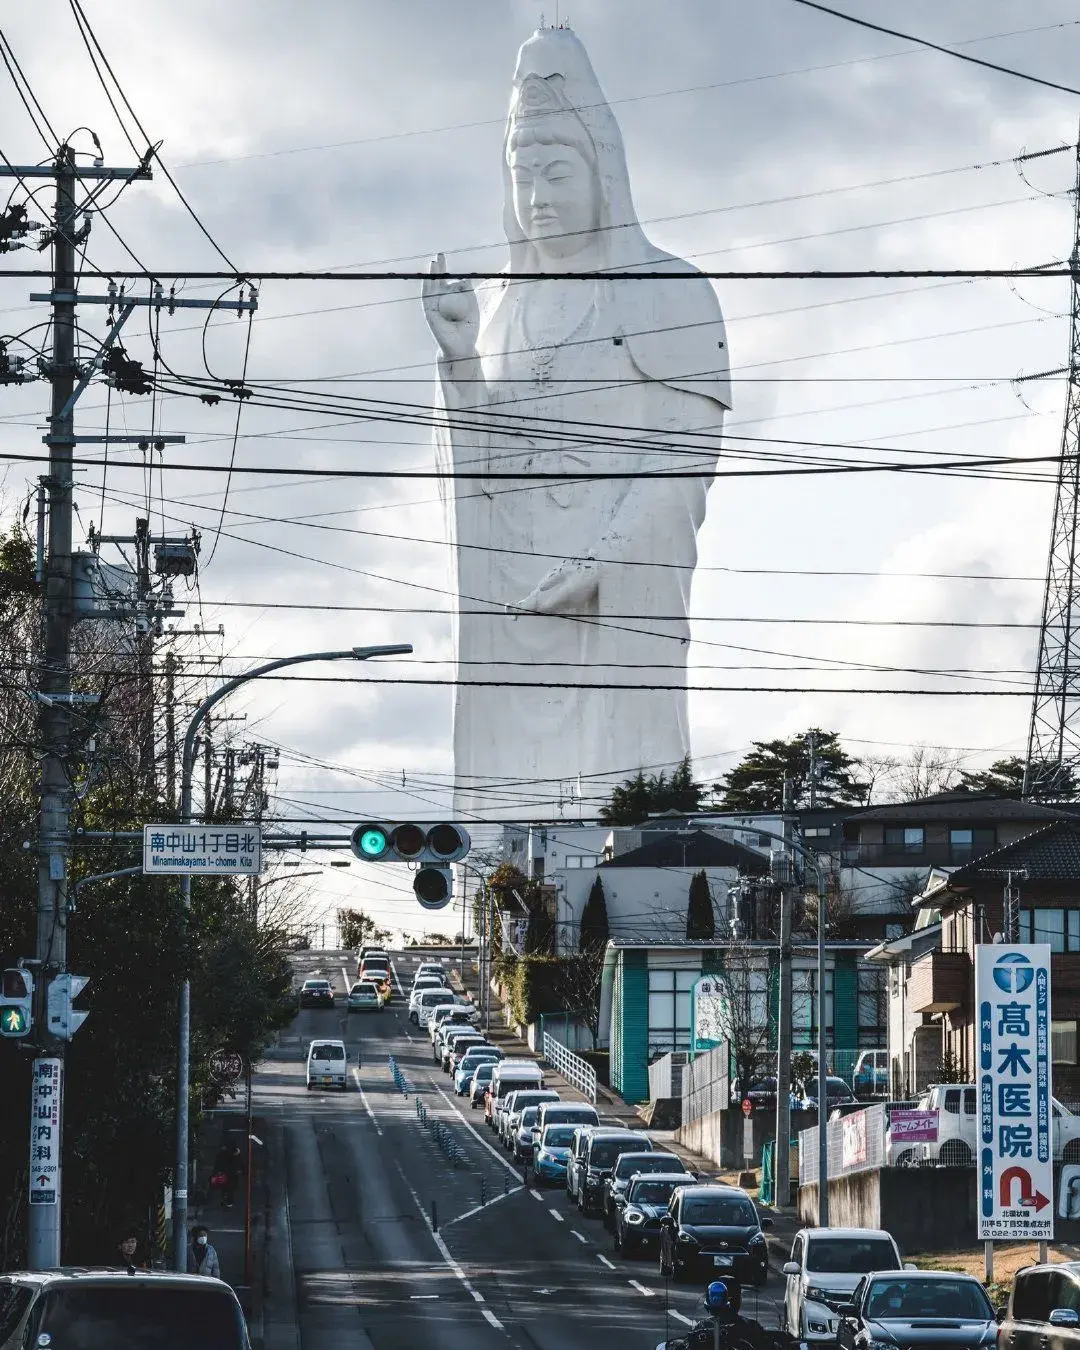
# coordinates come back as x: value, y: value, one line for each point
x: 896, y: 855
x: 940, y: 982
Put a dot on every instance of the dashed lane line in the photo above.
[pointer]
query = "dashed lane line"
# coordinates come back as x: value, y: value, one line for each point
x: 536, y: 1195
x: 444, y: 1252
x: 367, y: 1104
x: 604, y: 1261
x: 555, y: 1213
x: 641, y: 1288
x: 580, y: 1237
x: 680, y: 1317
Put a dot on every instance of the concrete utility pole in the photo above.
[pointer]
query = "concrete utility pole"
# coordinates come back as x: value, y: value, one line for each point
x: 783, y: 875
x: 823, y: 1104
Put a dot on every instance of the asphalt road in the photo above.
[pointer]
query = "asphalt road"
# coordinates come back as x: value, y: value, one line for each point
x: 358, y: 1184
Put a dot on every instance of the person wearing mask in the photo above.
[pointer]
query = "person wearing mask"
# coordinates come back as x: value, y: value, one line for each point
x: 202, y: 1255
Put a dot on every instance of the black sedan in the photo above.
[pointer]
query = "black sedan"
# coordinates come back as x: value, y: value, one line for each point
x: 316, y: 994
x: 638, y: 1219
x: 713, y: 1231
x: 914, y: 1310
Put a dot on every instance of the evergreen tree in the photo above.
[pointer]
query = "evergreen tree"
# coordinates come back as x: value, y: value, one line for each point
x: 757, y: 784
x: 594, y: 930
x: 1005, y: 778
x: 640, y: 797
x: 700, y: 922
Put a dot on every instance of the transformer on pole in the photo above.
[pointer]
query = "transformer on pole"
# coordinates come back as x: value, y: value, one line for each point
x: 1053, y: 749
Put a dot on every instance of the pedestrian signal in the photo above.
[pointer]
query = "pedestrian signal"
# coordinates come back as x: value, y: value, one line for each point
x: 16, y: 1003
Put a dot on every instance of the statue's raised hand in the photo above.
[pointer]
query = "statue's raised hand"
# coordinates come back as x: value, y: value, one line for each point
x: 451, y: 311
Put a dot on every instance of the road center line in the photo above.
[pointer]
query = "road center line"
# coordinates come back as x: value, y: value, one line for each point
x: 642, y: 1289
x: 604, y: 1261
x: 574, y: 1233
x: 555, y: 1213
x: 490, y: 1316
x: 536, y: 1195
x: 367, y: 1104
x: 444, y: 1250
x: 397, y: 981
x: 478, y: 1209
x: 679, y: 1317
x: 345, y: 980
x: 475, y: 1134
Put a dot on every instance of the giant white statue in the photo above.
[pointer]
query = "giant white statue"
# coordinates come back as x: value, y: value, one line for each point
x: 572, y: 591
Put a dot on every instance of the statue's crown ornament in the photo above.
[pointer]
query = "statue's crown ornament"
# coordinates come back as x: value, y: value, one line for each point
x: 539, y: 97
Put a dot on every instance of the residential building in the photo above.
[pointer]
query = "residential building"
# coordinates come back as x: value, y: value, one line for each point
x: 914, y: 1038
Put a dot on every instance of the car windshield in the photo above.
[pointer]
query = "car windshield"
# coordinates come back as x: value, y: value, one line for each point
x: 483, y: 1073
x: 528, y: 1117
x: 328, y: 1052
x: 122, y: 1317
x: 606, y: 1152
x: 909, y: 1298
x: 476, y: 1054
x: 558, y: 1114
x: 652, y: 1192
x: 720, y: 1209
x: 365, y: 988
x: 850, y: 1256
x: 630, y: 1163
x: 558, y: 1136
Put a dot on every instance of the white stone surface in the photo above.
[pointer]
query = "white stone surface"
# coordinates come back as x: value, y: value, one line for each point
x: 566, y: 581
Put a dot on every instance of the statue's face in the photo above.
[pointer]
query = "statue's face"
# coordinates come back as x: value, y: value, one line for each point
x: 556, y: 200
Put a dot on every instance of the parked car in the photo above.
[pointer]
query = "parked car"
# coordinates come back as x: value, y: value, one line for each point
x: 480, y: 1082
x: 449, y: 1034
x: 509, y: 1075
x: 909, y: 1310
x: 567, y: 1113
x: 825, y: 1266
x: 576, y: 1161
x: 713, y: 1231
x: 316, y: 994
x: 364, y: 996
x: 636, y: 1164
x: 871, y: 1076
x: 762, y: 1093
x: 452, y: 1009
x: 551, y: 1152
x: 365, y: 952
x: 459, y: 1048
x: 837, y: 1093
x: 516, y: 1103
x: 110, y: 1308
x: 426, y: 968
x: 637, y: 1221
x: 1042, y: 1308
x: 373, y: 965
x: 423, y: 1003
x: 524, y: 1135
x: 958, y: 1121
x: 476, y: 1054
x: 602, y: 1152
x: 327, y: 1065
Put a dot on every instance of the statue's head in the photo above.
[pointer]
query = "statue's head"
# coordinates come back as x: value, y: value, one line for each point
x: 564, y: 168
x: 553, y: 172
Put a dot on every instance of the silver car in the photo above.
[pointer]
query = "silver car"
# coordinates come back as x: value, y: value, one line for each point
x: 825, y: 1266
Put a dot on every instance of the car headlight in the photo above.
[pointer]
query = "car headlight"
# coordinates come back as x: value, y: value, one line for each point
x: 818, y: 1325
x: 635, y: 1216
x: 688, y: 1238
x: 816, y: 1295
x: 757, y: 1240
x: 880, y: 1345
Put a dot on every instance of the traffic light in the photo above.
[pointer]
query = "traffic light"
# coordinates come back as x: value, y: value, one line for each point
x: 433, y: 847
x: 16, y: 1000
x: 64, y: 1020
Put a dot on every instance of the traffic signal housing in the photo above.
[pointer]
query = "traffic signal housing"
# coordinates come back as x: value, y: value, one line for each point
x: 431, y: 847
x: 64, y: 1020
x: 16, y: 1003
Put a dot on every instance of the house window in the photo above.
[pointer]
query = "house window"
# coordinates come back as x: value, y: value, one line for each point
x: 968, y: 843
x: 1063, y: 1042
x: 871, y: 1006
x: 906, y: 838
x: 669, y: 1009
x: 582, y: 860
x: 817, y: 832
x: 804, y: 1007
x: 1059, y: 927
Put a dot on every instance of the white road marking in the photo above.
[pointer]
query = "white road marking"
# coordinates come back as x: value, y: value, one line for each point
x: 345, y: 978
x: 605, y: 1262
x: 496, y: 1155
x: 555, y: 1214
x: 649, y: 1293
x: 420, y: 1298
x: 580, y: 1237
x: 367, y: 1104
x: 444, y: 1250
x: 478, y: 1209
x: 678, y: 1316
x: 490, y: 1317
x: 397, y: 980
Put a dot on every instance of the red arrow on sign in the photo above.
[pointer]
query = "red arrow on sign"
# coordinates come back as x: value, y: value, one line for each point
x: 1027, y: 1200
x: 42, y: 1181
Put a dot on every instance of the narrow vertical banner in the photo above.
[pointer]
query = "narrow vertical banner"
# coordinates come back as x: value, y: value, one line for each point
x: 46, y: 1087
x: 1016, y: 1146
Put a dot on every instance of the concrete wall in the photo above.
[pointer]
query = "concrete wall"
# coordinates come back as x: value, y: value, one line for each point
x: 719, y: 1135
x: 925, y: 1209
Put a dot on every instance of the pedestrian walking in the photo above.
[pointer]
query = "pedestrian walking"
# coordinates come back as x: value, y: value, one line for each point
x: 202, y: 1255
x: 131, y: 1257
x: 228, y: 1165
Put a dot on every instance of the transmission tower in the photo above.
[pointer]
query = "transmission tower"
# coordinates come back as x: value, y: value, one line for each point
x: 1053, y: 750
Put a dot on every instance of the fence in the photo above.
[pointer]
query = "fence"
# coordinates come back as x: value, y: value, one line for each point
x: 666, y: 1075
x: 706, y: 1084
x: 855, y: 1143
x: 577, y: 1071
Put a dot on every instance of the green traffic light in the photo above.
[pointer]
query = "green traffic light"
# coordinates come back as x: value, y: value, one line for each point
x: 373, y: 843
x: 13, y: 1022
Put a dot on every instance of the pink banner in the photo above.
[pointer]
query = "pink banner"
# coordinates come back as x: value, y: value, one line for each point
x: 914, y: 1127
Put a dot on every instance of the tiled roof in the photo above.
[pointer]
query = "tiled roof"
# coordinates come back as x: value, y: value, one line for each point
x: 695, y: 849
x: 1049, y: 854
x: 974, y: 806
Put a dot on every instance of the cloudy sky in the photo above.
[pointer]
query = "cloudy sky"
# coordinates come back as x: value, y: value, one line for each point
x: 764, y: 136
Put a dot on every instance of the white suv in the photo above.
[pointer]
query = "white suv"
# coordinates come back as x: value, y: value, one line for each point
x: 957, y: 1108
x: 825, y: 1266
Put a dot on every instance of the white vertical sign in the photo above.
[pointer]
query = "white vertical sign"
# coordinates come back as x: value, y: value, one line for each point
x: 46, y: 1085
x: 1015, y: 1146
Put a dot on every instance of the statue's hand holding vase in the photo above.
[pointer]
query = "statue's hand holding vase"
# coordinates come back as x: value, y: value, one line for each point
x: 452, y: 312
x: 569, y: 587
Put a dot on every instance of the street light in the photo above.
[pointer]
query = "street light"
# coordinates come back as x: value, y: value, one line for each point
x: 183, y: 1050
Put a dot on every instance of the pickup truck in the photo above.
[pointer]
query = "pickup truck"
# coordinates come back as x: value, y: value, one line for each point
x: 958, y: 1122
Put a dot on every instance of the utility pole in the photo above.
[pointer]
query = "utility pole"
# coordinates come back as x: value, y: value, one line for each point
x: 813, y: 770
x: 823, y: 1101
x: 783, y: 875
x: 170, y: 730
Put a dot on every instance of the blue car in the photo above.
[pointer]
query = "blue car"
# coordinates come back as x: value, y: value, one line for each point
x: 473, y: 1059
x: 551, y: 1153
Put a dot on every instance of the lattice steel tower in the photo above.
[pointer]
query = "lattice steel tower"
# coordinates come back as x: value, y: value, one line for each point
x: 1053, y: 751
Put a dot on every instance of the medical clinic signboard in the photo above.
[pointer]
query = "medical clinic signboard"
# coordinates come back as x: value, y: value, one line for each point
x: 1015, y: 1143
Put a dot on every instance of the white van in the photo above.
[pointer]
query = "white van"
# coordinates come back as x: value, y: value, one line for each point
x: 510, y: 1075
x: 327, y: 1065
x: 424, y: 1004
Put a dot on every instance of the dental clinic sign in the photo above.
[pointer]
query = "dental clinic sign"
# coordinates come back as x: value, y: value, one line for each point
x: 1015, y: 1143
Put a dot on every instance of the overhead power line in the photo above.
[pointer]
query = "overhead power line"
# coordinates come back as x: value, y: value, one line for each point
x: 937, y: 47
